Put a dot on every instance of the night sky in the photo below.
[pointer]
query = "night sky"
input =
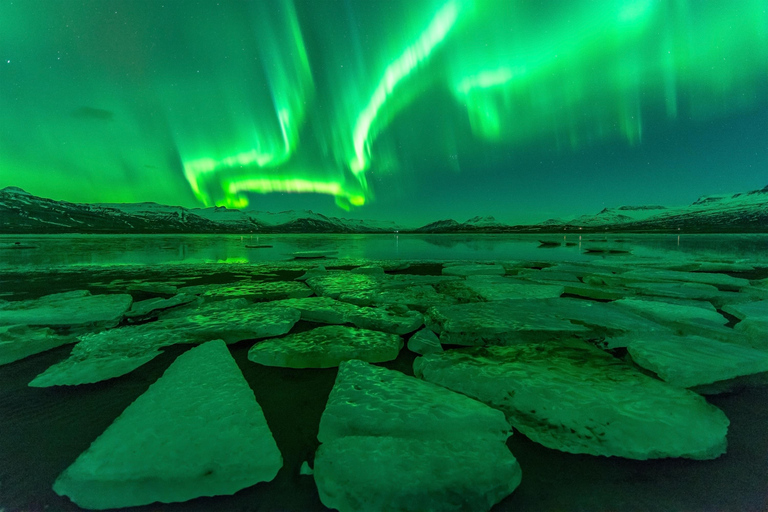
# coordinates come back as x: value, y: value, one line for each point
x: 405, y: 110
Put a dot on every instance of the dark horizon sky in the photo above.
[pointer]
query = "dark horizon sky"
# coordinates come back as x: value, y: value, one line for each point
x: 402, y: 110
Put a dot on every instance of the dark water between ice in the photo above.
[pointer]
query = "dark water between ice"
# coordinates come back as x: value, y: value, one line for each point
x: 56, y: 250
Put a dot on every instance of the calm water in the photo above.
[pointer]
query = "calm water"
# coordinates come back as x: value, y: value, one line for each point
x: 57, y: 250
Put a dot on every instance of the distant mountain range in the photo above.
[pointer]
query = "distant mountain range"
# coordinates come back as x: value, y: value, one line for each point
x: 745, y: 212
x: 23, y: 213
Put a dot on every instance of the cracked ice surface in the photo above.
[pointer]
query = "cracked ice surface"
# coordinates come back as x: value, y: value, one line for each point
x: 197, y: 431
x: 20, y: 341
x: 496, y: 323
x: 578, y: 399
x: 386, y: 436
x: 694, y: 361
x: 76, y: 309
x: 115, y: 352
x: 329, y: 311
x: 326, y: 347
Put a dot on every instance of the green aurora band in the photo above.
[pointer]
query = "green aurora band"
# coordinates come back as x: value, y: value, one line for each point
x: 227, y: 101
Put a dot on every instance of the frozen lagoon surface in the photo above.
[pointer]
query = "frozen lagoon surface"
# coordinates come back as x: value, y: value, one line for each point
x: 666, y: 321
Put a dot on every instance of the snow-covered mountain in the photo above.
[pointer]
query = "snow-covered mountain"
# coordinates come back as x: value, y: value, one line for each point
x: 487, y: 223
x: 743, y: 212
x: 21, y: 212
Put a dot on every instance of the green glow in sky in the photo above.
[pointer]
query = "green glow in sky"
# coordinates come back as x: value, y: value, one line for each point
x: 235, y: 103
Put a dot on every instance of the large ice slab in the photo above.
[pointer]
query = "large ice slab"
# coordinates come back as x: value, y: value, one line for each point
x: 233, y: 325
x: 578, y: 399
x: 20, y: 341
x: 370, y: 400
x: 424, y: 342
x: 495, y: 323
x: 335, y: 283
x: 755, y: 331
x: 115, y: 352
x: 148, y: 307
x: 329, y: 311
x: 77, y: 309
x: 722, y: 281
x: 752, y: 309
x: 197, y: 431
x: 503, y: 288
x: 393, y: 442
x: 259, y: 290
x: 673, y: 314
x: 697, y: 362
x: 417, y: 297
x: 326, y: 347
x: 108, y: 354
x: 206, y: 308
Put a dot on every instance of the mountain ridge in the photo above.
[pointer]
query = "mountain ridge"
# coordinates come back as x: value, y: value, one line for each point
x: 24, y: 213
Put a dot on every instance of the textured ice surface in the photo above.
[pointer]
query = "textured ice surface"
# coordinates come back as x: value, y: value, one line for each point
x: 691, y: 361
x: 755, y: 331
x: 393, y: 442
x: 313, y: 272
x: 233, y: 325
x: 416, y: 297
x: 500, y: 288
x: 495, y: 323
x: 754, y: 309
x: 578, y: 399
x: 197, y: 431
x: 146, y: 307
x: 77, y: 309
x: 329, y: 311
x: 424, y: 342
x: 205, y: 308
x: 593, y: 314
x: 722, y: 281
x: 115, y: 352
x: 259, y: 290
x: 20, y: 341
x: 108, y: 354
x: 675, y: 314
x: 474, y: 270
x: 335, y: 283
x: 326, y: 347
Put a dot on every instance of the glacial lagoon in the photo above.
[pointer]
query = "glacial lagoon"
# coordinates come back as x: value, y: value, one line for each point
x: 636, y: 372
x: 62, y: 250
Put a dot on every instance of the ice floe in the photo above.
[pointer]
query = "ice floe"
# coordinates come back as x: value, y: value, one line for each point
x: 395, y: 320
x: 393, y: 442
x: 259, y: 290
x: 326, y: 347
x: 500, y: 288
x: 147, y: 307
x: 578, y: 399
x: 197, y: 431
x: 424, y: 342
x: 20, y: 341
x: 335, y: 283
x: 706, y: 365
x: 77, y: 309
x: 495, y: 323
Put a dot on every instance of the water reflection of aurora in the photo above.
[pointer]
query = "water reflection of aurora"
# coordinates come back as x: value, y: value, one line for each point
x: 280, y: 96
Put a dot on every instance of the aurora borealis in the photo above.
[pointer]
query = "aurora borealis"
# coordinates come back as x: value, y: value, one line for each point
x: 396, y: 109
